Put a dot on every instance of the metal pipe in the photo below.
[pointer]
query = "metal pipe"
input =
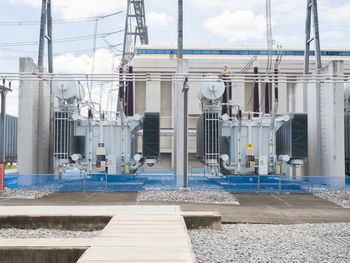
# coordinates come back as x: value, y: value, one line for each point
x: 228, y: 167
x: 267, y: 98
x: 42, y: 35
x: 239, y: 146
x: 130, y: 96
x: 90, y: 147
x: 49, y: 34
x: 52, y: 97
x: 185, y: 90
x: 307, y: 37
x: 273, y: 118
x: 180, y: 30
x: 317, y: 35
x: 256, y: 88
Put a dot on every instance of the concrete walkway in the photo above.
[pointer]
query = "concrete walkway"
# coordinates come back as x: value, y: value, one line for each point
x: 142, y: 237
x: 134, y: 234
x: 253, y: 208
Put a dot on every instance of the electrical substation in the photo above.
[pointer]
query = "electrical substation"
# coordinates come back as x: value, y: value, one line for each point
x: 130, y: 160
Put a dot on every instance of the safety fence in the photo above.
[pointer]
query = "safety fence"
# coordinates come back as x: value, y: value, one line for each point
x: 161, y: 182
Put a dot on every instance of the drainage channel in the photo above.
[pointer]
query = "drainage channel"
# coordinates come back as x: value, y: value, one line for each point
x: 42, y: 239
x: 41, y: 255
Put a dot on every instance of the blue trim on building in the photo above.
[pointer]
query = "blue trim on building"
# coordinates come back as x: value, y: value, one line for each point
x: 237, y: 52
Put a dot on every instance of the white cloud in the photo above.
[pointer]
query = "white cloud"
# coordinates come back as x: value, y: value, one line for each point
x: 238, y: 25
x: 333, y: 34
x: 69, y: 63
x: 227, y: 4
x: 79, y: 8
x: 160, y: 19
x: 336, y: 16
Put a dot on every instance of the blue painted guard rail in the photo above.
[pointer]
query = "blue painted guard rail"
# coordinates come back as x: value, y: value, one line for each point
x: 167, y: 182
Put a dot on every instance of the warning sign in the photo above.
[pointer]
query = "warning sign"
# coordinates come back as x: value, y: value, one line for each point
x: 2, y: 175
x: 249, y: 146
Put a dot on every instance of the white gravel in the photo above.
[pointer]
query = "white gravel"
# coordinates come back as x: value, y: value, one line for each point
x: 203, y: 197
x: 340, y: 197
x: 271, y: 243
x: 23, y: 194
x: 45, y: 233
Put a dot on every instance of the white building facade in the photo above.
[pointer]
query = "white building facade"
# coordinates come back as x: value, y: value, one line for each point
x: 156, y: 96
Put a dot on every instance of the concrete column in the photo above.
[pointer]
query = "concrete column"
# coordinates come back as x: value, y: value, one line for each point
x: 332, y: 123
x: 33, y: 123
x: 153, y: 96
x: 238, y: 93
x: 283, y: 97
x: 178, y: 112
x: 297, y: 98
x: 326, y: 126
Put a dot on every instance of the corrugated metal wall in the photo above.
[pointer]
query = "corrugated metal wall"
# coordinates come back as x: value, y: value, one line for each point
x: 11, y: 138
x: 347, y: 140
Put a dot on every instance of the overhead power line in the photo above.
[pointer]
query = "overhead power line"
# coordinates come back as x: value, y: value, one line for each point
x: 62, y: 40
x: 27, y: 51
x: 58, y: 21
x: 192, y: 77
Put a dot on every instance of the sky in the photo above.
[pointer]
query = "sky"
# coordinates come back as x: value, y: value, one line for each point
x: 207, y: 23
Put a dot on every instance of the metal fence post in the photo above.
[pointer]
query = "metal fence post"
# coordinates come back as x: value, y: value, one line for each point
x: 279, y: 186
x: 84, y: 181
x: 106, y: 189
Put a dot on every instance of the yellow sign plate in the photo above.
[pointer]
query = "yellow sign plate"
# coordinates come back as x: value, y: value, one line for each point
x: 249, y: 146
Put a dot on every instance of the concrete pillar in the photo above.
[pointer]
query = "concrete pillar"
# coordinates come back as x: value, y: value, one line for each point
x: 178, y: 115
x: 325, y: 104
x: 238, y: 93
x: 282, y: 97
x: 33, y: 123
x: 332, y: 123
x: 153, y: 96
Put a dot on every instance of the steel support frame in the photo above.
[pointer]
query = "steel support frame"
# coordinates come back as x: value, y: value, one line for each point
x: 46, y: 33
x: 311, y: 21
x: 135, y: 11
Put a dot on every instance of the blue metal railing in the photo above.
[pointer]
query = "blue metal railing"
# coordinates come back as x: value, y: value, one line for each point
x: 167, y: 182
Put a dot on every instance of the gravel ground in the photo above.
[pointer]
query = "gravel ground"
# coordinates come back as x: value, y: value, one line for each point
x: 45, y: 233
x: 188, y: 197
x: 23, y: 194
x: 340, y: 197
x: 271, y: 243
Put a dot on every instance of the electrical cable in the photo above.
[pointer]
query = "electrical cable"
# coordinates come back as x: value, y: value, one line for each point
x: 62, y: 40
x: 58, y: 21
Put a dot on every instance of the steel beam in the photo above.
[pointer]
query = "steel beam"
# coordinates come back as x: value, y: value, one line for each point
x: 135, y: 13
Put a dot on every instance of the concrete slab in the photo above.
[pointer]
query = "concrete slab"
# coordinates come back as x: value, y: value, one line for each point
x: 254, y: 208
x: 157, y: 233
x: 157, y: 236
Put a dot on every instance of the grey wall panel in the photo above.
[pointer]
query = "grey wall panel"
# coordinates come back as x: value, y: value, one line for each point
x: 11, y: 138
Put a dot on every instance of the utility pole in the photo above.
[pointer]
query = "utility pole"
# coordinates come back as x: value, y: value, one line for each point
x: 179, y: 95
x: 46, y: 33
x: 312, y: 21
x: 181, y: 89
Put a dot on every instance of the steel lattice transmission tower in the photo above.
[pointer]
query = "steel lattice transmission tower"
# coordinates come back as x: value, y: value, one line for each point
x: 135, y: 27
